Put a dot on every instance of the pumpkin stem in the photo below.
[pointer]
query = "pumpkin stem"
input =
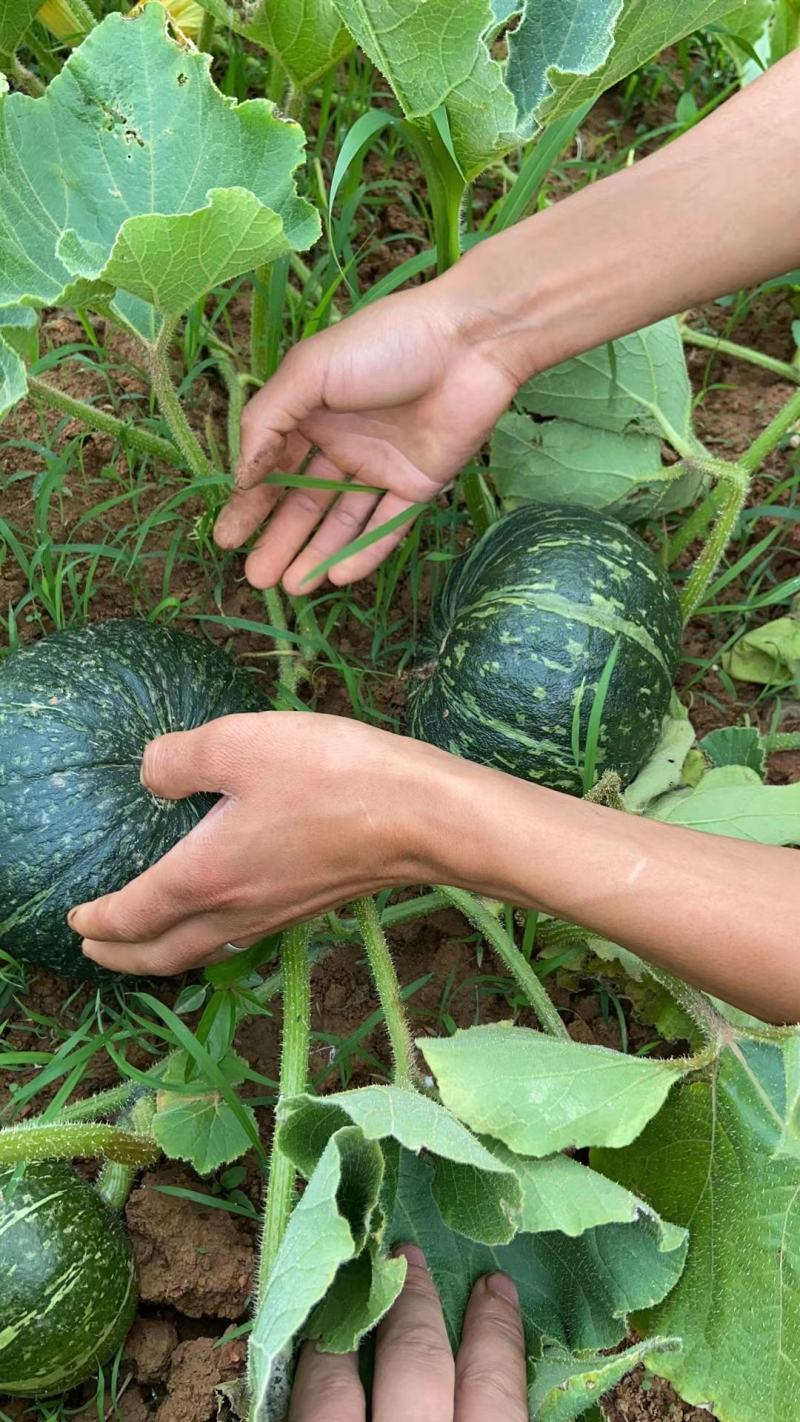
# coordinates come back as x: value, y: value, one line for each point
x: 506, y: 949
x: 296, y: 968
x: 385, y: 979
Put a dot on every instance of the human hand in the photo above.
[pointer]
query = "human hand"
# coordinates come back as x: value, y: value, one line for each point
x: 398, y: 396
x: 316, y: 810
x: 416, y: 1376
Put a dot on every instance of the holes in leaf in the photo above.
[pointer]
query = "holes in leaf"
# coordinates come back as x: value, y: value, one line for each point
x: 183, y: 79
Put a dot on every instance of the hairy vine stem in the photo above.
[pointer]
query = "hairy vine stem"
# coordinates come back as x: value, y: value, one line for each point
x: 170, y: 405
x: 388, y: 988
x: 294, y: 1071
x: 520, y: 969
x: 47, y: 397
x: 716, y: 344
x: 45, y: 1140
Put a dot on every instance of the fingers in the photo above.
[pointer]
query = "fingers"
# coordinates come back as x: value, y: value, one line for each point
x: 327, y: 1388
x: 360, y: 565
x: 184, y: 762
x: 291, y: 526
x: 341, y: 526
x: 491, y: 1374
x: 194, y: 942
x: 278, y: 410
x: 414, y: 1368
x: 247, y: 509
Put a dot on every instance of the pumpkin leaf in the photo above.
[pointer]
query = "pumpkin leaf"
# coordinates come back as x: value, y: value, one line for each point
x: 435, y: 55
x: 639, y: 382
x: 328, y: 1228
x: 200, y: 1126
x: 736, y: 745
x: 566, y: 1386
x: 101, y: 187
x: 562, y: 462
x: 731, y: 800
x: 477, y: 1193
x: 362, y: 1292
x: 563, y: 56
x: 710, y: 1163
x: 539, y: 1095
x: 305, y: 36
x: 768, y: 655
x: 559, y: 1193
x: 16, y: 18
x: 577, y: 1292
x: 600, y: 420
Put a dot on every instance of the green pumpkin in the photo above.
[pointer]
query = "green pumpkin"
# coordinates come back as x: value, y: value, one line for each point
x: 76, y: 712
x: 522, y: 633
x: 67, y: 1280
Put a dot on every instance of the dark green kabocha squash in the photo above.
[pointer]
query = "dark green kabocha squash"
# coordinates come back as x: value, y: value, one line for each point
x: 68, y: 1290
x: 521, y: 635
x: 76, y: 712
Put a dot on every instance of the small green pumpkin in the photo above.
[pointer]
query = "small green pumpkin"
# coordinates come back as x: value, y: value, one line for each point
x: 67, y: 1280
x: 518, y: 642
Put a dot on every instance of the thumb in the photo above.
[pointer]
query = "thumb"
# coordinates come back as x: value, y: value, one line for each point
x: 185, y: 762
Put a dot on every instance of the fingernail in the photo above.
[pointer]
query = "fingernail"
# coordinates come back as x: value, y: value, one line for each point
x: 412, y: 1253
x: 501, y: 1287
x: 71, y: 917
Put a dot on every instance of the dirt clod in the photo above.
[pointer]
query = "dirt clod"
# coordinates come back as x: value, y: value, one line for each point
x: 149, y: 1348
x: 196, y: 1259
x: 197, y: 1367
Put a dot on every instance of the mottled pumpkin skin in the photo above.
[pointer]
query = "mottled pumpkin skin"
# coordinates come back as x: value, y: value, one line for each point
x: 522, y: 632
x: 76, y: 712
x: 68, y: 1290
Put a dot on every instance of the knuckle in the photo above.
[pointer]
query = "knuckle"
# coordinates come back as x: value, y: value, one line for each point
x: 347, y: 517
x: 497, y: 1389
x: 422, y: 1340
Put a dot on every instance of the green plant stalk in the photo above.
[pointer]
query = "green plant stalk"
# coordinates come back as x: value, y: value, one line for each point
x: 446, y: 189
x: 520, y: 969
x: 696, y: 524
x: 745, y: 353
x: 206, y: 35
x: 388, y: 989
x: 293, y: 670
x: 259, y: 324
x: 47, y: 396
x: 103, y: 1103
x: 22, y: 76
x: 294, y: 1071
x: 782, y: 425
x: 115, y: 1180
x: 170, y: 406
x: 701, y: 576
x: 36, y: 1140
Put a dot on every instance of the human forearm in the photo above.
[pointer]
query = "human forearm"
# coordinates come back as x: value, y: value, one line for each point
x: 714, y: 211
x: 718, y: 912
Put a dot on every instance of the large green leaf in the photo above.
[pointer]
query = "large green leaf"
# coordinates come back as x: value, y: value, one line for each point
x: 600, y: 420
x: 577, y: 1292
x: 539, y: 1095
x: 477, y: 1193
x: 731, y: 800
x: 328, y: 1228
x: 434, y: 54
x: 561, y: 56
x: 362, y: 1292
x: 639, y: 382
x: 16, y: 17
x: 437, y: 54
x: 306, y: 36
x: 134, y: 172
x: 559, y: 1193
x: 709, y: 1162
